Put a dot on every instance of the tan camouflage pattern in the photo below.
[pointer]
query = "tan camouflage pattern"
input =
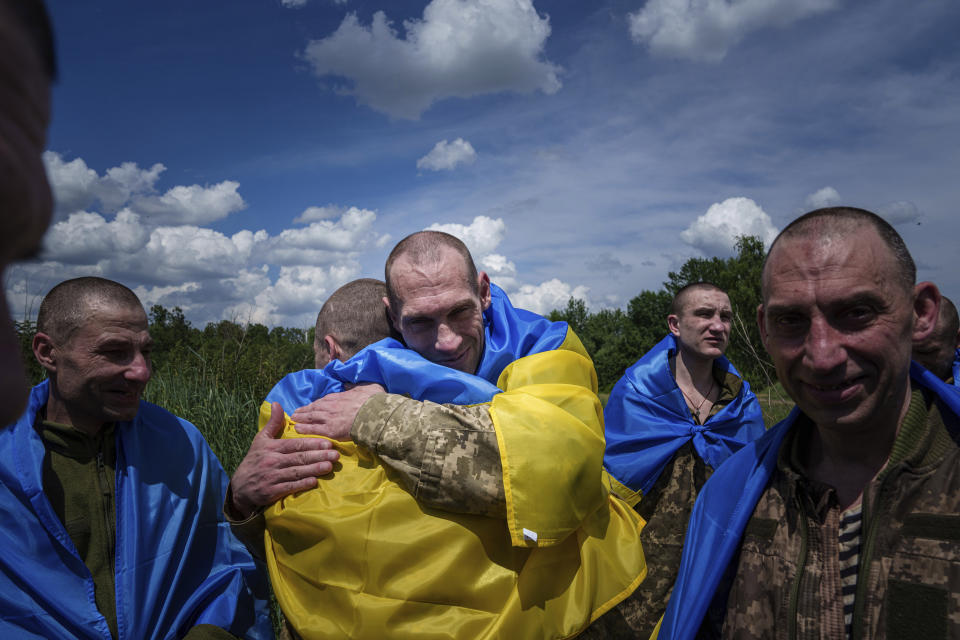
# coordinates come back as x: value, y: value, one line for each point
x: 787, y: 582
x: 666, y: 508
x: 446, y: 456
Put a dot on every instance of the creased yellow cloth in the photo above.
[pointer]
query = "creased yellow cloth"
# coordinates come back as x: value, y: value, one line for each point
x: 357, y: 557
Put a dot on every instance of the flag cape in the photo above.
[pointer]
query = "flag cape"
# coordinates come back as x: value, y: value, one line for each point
x: 177, y: 563
x: 647, y: 421
x: 360, y: 558
x: 956, y: 368
x: 726, y: 503
x: 509, y: 333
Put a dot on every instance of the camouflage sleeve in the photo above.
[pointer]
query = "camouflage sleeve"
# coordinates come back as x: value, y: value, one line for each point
x: 446, y: 456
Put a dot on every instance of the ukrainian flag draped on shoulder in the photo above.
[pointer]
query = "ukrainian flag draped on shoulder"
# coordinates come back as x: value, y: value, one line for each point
x: 177, y: 563
x: 726, y: 503
x: 647, y: 421
x: 358, y: 557
x: 956, y: 368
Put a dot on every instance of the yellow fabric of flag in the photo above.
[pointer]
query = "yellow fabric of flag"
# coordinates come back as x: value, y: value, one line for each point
x: 358, y: 557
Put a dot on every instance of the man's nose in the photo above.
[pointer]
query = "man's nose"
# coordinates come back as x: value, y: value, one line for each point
x: 139, y: 369
x: 448, y: 340
x: 823, y: 348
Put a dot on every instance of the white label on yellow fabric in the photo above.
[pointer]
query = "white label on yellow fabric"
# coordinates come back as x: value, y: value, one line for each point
x: 530, y: 535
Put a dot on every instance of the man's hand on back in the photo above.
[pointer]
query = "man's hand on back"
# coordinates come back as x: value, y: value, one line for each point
x: 333, y: 415
x: 275, y: 467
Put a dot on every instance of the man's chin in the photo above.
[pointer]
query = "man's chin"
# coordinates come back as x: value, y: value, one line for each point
x: 121, y: 413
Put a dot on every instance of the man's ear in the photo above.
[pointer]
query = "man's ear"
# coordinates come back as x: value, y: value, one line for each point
x: 926, y: 308
x: 333, y: 348
x: 391, y: 312
x: 762, y: 324
x: 45, y: 351
x: 673, y: 324
x: 483, y: 280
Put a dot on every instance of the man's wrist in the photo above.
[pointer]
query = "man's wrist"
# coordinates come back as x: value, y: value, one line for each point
x: 238, y: 513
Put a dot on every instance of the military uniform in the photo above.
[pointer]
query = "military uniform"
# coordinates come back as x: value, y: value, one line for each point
x: 787, y: 580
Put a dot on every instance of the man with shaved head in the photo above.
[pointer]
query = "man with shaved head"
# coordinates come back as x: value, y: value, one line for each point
x: 841, y: 521
x: 673, y: 418
x: 470, y: 500
x: 351, y: 318
x: 940, y: 351
x: 111, y: 504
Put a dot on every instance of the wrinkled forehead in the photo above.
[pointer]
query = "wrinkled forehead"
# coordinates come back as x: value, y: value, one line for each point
x: 105, y: 316
x: 858, y: 255
x: 444, y: 274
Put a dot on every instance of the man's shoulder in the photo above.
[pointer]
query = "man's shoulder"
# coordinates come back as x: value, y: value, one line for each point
x: 300, y: 388
x: 157, y: 427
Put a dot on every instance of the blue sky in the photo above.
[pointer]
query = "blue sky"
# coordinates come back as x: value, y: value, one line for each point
x: 242, y: 160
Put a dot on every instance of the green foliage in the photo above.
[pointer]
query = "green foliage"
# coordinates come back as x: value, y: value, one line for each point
x: 739, y: 276
x: 616, y: 339
x: 215, y: 377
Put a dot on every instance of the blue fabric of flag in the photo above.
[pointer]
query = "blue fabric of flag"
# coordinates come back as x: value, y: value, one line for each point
x: 727, y: 501
x: 956, y: 368
x: 177, y: 563
x: 647, y: 421
x: 509, y: 334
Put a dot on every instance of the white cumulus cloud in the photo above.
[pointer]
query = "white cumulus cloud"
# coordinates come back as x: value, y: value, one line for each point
x: 192, y: 204
x: 313, y: 214
x: 546, y: 296
x: 482, y: 236
x: 86, y: 238
x: 825, y: 197
x: 716, y: 231
x: 76, y: 186
x: 297, y: 294
x: 706, y: 29
x: 459, y: 48
x: 501, y: 271
x: 447, y: 155
x: 323, y: 241
x: 901, y: 212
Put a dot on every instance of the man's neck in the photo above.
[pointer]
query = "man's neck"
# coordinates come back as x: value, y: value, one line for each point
x: 694, y: 374
x: 59, y: 413
x: 849, y: 458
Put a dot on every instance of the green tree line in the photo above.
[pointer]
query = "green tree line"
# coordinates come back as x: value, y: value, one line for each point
x: 217, y: 376
x: 616, y: 338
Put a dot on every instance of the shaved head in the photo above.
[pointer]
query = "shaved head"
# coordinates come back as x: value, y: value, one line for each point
x: 834, y: 223
x: 681, y: 298
x: 355, y: 316
x: 428, y: 247
x: 936, y: 352
x: 67, y: 306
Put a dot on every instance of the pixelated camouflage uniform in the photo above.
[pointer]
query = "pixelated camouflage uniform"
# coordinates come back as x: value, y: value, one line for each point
x: 447, y: 456
x: 787, y: 580
x: 666, y: 508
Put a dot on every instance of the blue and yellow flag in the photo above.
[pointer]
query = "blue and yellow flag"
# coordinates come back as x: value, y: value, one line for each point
x: 177, y: 563
x: 647, y: 421
x: 956, y: 368
x: 726, y: 503
x: 358, y: 557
